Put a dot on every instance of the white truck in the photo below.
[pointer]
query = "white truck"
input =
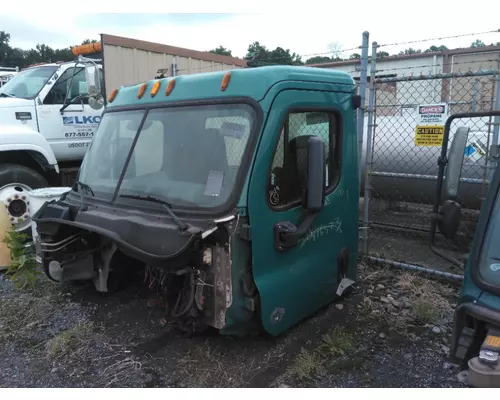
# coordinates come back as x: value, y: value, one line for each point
x: 47, y: 123
x: 6, y: 73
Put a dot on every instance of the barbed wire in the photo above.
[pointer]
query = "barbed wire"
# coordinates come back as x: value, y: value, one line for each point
x: 438, y: 38
x: 318, y: 65
x: 442, y: 65
x: 272, y: 61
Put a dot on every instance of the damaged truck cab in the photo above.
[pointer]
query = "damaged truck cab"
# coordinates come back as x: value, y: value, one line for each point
x: 476, y: 332
x: 234, y: 193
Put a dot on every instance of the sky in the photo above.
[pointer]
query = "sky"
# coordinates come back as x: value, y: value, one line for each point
x: 308, y: 31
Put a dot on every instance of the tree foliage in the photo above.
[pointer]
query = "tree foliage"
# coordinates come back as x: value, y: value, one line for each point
x: 260, y: 55
x: 16, y: 57
x: 257, y: 53
x: 222, y: 51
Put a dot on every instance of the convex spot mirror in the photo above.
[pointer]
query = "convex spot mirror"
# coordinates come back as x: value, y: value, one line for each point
x: 96, y: 100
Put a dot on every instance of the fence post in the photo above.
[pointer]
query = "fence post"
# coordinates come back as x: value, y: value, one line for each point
x: 368, y: 155
x: 363, y: 72
x: 496, y: 127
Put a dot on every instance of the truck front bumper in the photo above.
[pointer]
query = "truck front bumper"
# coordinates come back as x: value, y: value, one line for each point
x: 470, y: 329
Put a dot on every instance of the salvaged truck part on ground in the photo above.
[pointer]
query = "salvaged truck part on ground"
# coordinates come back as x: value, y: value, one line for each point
x: 476, y: 333
x: 175, y: 190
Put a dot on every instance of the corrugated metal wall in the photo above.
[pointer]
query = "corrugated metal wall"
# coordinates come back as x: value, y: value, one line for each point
x: 130, y: 61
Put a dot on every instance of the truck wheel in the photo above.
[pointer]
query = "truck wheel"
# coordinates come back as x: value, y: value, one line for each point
x: 15, y: 183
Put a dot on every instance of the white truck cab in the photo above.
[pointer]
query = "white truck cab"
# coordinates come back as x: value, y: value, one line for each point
x: 6, y: 73
x: 46, y: 125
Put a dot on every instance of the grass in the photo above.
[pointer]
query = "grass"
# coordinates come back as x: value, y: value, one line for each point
x: 429, y: 299
x: 306, y: 364
x: 19, y: 316
x: 336, y: 343
x: 68, y: 343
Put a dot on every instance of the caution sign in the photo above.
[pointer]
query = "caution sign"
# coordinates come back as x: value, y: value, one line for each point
x: 429, y: 135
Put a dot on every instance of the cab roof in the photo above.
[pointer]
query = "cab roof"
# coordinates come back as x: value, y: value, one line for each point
x: 245, y: 82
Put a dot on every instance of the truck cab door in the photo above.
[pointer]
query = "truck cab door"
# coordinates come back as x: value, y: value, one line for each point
x: 68, y: 132
x: 295, y: 282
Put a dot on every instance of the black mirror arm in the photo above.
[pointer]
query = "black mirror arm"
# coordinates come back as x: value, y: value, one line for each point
x: 287, y: 235
x: 68, y: 103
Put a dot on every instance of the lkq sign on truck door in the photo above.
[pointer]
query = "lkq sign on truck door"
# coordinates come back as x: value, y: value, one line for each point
x: 430, y: 124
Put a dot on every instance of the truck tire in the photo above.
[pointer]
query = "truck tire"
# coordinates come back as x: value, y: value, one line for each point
x: 15, y: 183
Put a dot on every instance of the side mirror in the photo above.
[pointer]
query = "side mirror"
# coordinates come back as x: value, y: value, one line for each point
x: 96, y: 101
x: 449, y: 218
x: 315, y: 195
x: 455, y: 161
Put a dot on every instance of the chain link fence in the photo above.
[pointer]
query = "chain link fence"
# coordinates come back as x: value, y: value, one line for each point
x: 400, y: 164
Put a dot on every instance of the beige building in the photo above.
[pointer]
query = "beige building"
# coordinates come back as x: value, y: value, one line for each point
x: 131, y: 61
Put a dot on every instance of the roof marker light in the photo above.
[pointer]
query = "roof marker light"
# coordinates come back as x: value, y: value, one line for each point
x: 141, y: 91
x: 112, y: 95
x: 225, y: 81
x: 155, y: 88
x: 170, y: 87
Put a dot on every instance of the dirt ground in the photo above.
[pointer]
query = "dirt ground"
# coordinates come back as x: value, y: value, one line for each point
x: 393, y: 331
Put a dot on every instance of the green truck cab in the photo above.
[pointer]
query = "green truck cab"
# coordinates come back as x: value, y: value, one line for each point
x: 234, y: 192
x: 475, y: 342
x: 476, y: 332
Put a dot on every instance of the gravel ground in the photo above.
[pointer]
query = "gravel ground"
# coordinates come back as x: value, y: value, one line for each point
x: 393, y: 331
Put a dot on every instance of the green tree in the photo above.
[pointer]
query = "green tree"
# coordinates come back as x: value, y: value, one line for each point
x: 433, y: 49
x: 409, y: 51
x: 222, y: 51
x: 5, y: 49
x: 318, y: 60
x: 259, y: 55
x: 478, y: 43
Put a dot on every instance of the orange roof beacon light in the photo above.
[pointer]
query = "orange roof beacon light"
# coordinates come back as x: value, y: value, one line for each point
x: 112, y: 95
x: 141, y: 91
x: 155, y: 88
x: 85, y: 49
x: 170, y: 87
x: 225, y: 81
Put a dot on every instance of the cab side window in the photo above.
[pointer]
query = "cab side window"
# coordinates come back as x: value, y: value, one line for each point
x: 287, y: 179
x: 74, y: 87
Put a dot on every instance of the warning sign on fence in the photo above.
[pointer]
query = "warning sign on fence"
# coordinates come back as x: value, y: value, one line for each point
x: 432, y: 114
x: 429, y: 135
x: 431, y: 119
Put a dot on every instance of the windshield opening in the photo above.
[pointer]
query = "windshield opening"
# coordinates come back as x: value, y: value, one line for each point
x: 489, y: 261
x: 187, y: 156
x: 27, y: 84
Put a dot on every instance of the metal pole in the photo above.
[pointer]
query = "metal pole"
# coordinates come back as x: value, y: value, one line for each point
x: 363, y: 72
x: 368, y: 155
x: 494, y: 155
x: 474, y: 97
x: 417, y: 268
x: 174, y: 67
x: 496, y: 121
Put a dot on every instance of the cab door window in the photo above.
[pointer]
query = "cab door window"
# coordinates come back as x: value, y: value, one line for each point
x: 72, y: 85
x: 288, y: 175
